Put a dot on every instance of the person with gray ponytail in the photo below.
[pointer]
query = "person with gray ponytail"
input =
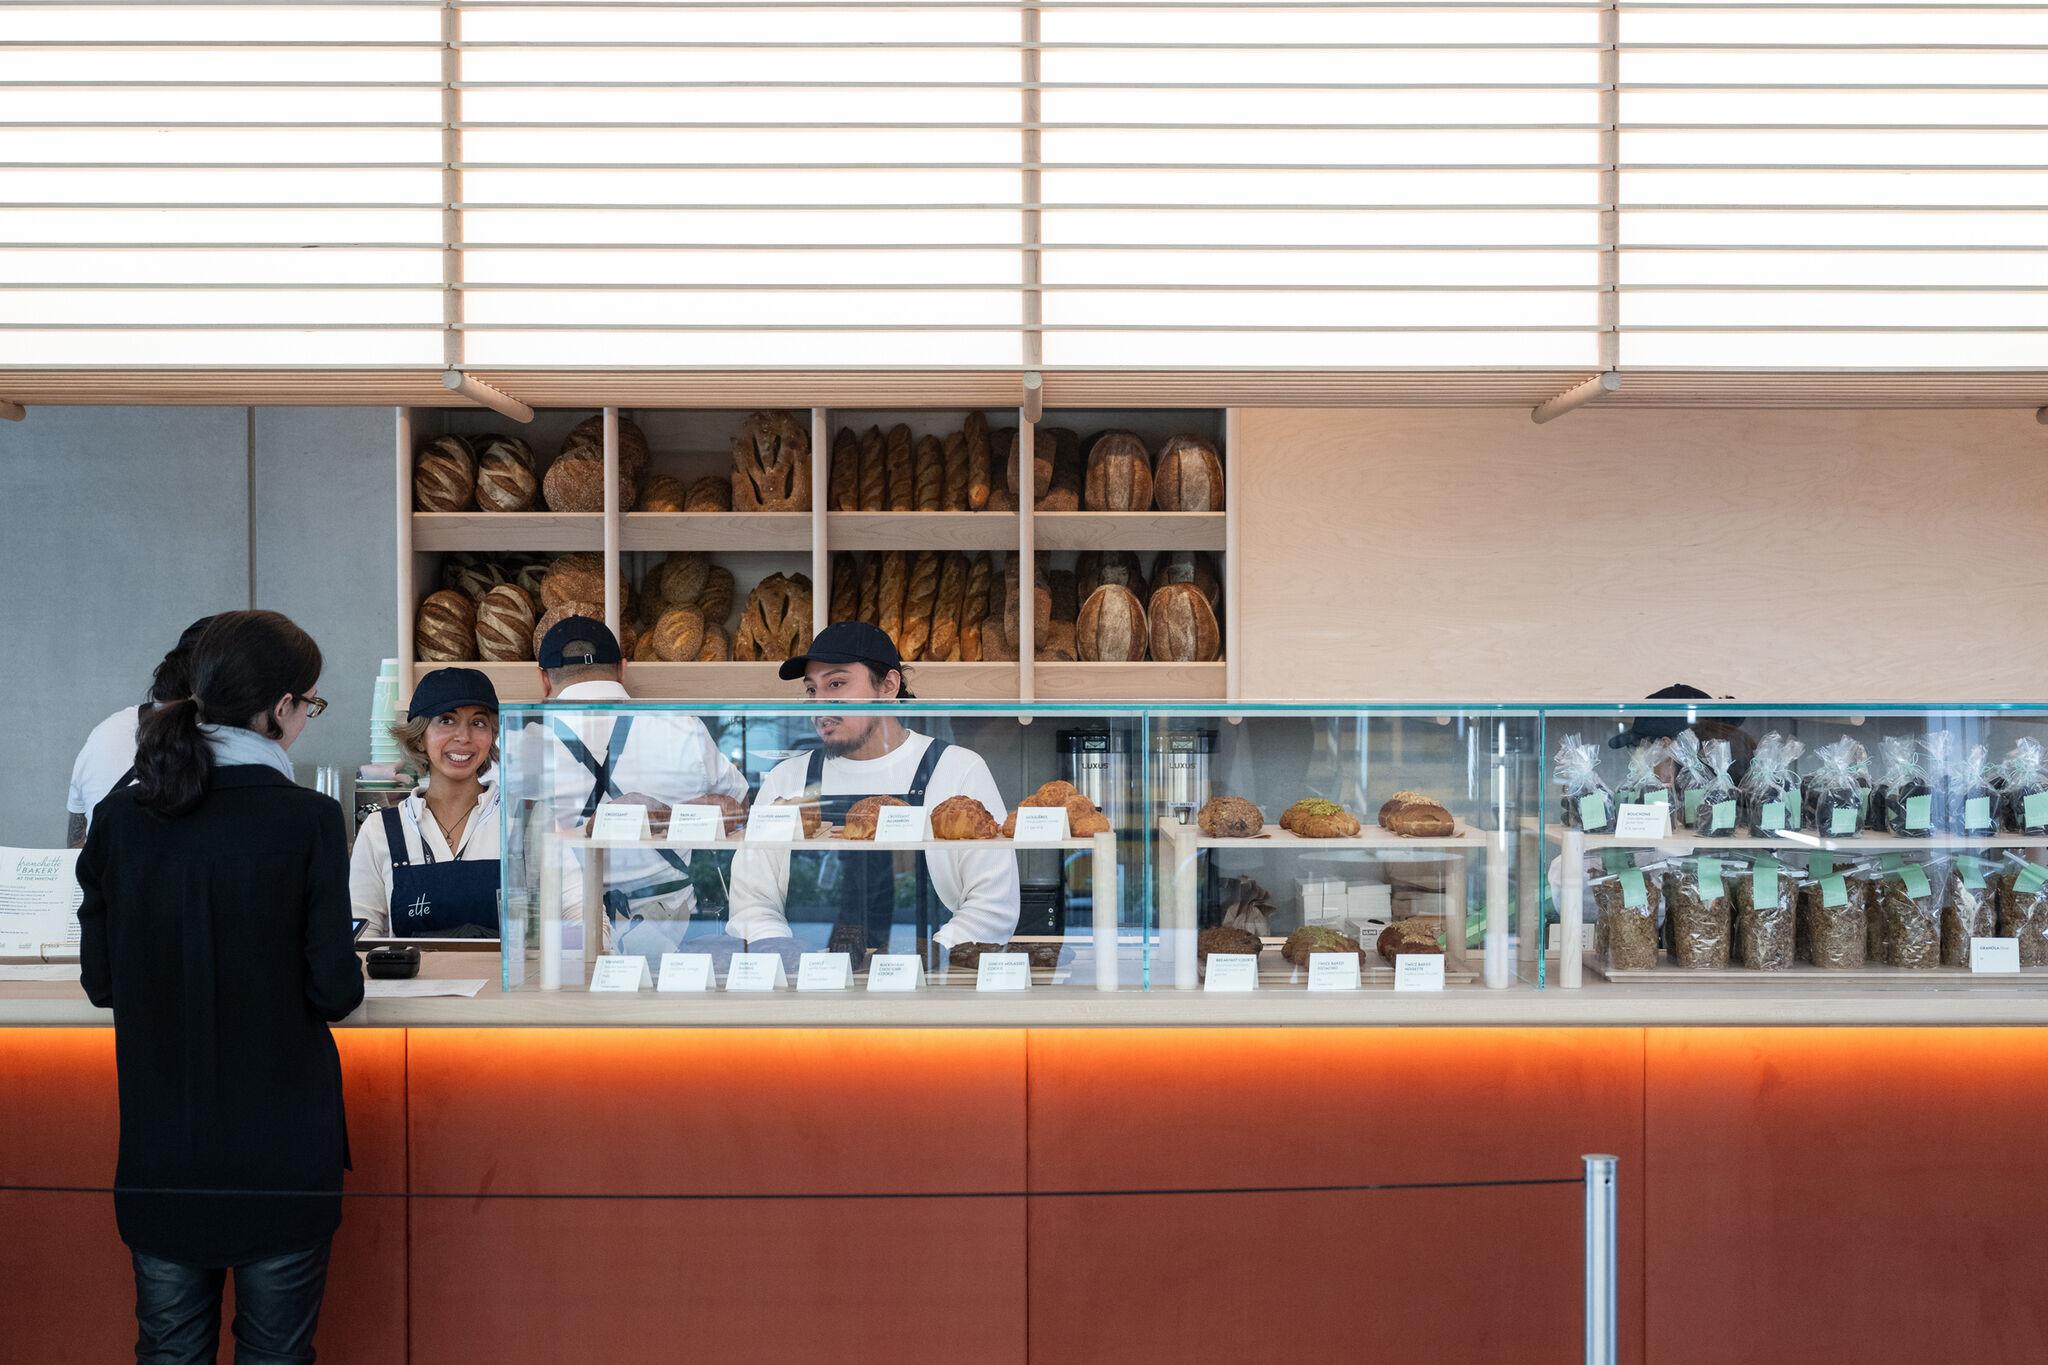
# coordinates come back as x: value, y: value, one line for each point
x: 215, y: 926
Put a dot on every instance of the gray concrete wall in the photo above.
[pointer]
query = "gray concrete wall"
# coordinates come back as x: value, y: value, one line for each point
x: 124, y: 524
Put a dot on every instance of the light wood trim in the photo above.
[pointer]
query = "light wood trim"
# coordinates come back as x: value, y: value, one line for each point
x: 1233, y: 642
x: 408, y: 586
x: 785, y: 531
x: 1131, y: 530
x: 613, y: 596
x: 821, y: 499
x: 1130, y: 682
x: 1027, y: 555
x: 482, y: 394
x: 512, y: 681
x: 923, y: 530
x: 507, y: 530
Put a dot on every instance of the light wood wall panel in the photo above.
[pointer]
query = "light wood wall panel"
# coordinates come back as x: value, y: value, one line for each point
x: 1471, y: 554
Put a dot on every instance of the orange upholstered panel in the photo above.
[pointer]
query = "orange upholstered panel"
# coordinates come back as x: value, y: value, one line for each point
x: 1385, y: 1276
x: 1847, y: 1195
x: 717, y: 1111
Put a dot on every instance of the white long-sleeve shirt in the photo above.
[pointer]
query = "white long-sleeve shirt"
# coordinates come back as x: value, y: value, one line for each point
x: 369, y: 867
x: 978, y: 883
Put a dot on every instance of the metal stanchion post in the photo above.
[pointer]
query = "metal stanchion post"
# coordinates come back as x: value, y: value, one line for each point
x: 1600, y: 1260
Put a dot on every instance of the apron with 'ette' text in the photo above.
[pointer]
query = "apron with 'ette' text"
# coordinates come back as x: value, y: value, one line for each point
x: 432, y: 899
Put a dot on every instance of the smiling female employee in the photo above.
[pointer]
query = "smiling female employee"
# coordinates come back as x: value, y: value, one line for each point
x: 429, y: 867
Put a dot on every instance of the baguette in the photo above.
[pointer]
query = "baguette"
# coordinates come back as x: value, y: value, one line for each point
x: 845, y: 587
x: 902, y: 476
x: 945, y: 641
x: 846, y: 471
x: 975, y: 435
x: 895, y: 582
x: 930, y: 470
x: 874, y: 471
x: 919, y: 597
x: 974, y: 609
x: 956, y: 472
x: 999, y: 627
x: 871, y: 590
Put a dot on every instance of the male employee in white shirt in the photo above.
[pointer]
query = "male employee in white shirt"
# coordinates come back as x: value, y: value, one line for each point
x: 630, y: 755
x: 869, y: 755
x: 109, y: 750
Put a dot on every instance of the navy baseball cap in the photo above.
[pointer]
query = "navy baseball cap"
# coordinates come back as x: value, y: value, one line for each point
x: 451, y: 689
x: 846, y: 642
x: 1658, y: 727
x: 578, y: 630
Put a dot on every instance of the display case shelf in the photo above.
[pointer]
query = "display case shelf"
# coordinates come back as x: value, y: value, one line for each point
x: 967, y: 531
x: 1862, y: 845
x: 1128, y: 530
x: 500, y: 531
x: 1873, y: 976
x: 1372, y: 837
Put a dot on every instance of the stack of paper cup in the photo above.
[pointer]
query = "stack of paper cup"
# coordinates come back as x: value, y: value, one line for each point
x: 384, y: 712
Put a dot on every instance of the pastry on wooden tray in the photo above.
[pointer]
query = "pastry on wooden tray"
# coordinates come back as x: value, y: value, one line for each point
x: 962, y: 817
x: 1416, y: 816
x: 1316, y: 938
x: 1315, y: 818
x: 1231, y: 817
x: 862, y: 816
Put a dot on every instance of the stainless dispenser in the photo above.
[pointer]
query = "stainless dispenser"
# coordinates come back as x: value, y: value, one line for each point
x: 1179, y: 764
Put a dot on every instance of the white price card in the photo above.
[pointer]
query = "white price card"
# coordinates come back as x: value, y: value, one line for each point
x: 1331, y: 971
x: 1231, y: 972
x: 1994, y: 955
x: 620, y: 822
x: 698, y: 824
x: 627, y: 972
x: 1041, y: 824
x: 687, y: 972
x: 756, y: 972
x: 1419, y: 972
x: 899, y: 824
x: 824, y: 972
x: 774, y: 824
x: 1003, y: 972
x: 1642, y: 822
x: 896, y: 972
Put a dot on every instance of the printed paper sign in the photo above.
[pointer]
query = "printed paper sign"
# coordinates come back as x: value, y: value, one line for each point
x: 1041, y: 824
x: 1231, y: 972
x: 697, y: 824
x: 1331, y: 971
x: 774, y: 825
x: 1995, y: 955
x: 896, y: 972
x: 824, y: 971
x: 619, y: 973
x: 39, y: 899
x: 756, y: 972
x: 1003, y: 972
x: 899, y: 824
x: 687, y: 972
x: 1642, y: 822
x: 1419, y: 972
x: 620, y: 822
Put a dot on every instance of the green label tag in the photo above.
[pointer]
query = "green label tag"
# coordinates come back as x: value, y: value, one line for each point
x: 1919, y: 812
x: 1692, y: 804
x: 1774, y: 815
x: 1977, y: 813
x: 1820, y: 864
x: 1973, y: 870
x: 1634, y: 894
x: 1616, y: 859
x: 1710, y: 879
x: 1659, y: 797
x: 1593, y: 811
x: 1724, y: 815
x: 2030, y: 879
x: 1843, y: 821
x: 1833, y: 891
x: 1915, y: 878
x: 1764, y: 888
x: 2034, y: 808
x: 1891, y: 862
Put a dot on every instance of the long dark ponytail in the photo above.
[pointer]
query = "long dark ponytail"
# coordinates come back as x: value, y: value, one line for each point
x: 242, y: 665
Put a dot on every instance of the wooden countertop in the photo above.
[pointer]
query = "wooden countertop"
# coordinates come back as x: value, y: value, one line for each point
x: 1598, y: 1004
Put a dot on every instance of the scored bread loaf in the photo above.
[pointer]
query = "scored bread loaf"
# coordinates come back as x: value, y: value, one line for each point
x: 574, y: 577
x: 945, y: 640
x: 532, y: 569
x: 771, y: 464
x: 554, y: 616
x: 643, y: 649
x: 1112, y: 627
x: 895, y: 583
x: 1119, y: 474
x: 845, y: 599
x: 504, y: 624
x: 445, y: 629
x: 717, y: 646
x: 1000, y: 499
x: 846, y: 471
x: 716, y: 599
x: 974, y: 609
x: 956, y: 472
x: 975, y: 435
x: 1093, y: 568
x: 919, y: 597
x: 574, y: 485
x: 1187, y: 476
x: 679, y: 634
x: 505, y: 481
x: 444, y: 476
x: 471, y: 575
x: 1190, y: 566
x: 1063, y: 492
x: 777, y: 621
x: 1183, y: 628
x: 902, y: 470
x: 508, y: 447
x: 929, y: 469
x: 870, y: 609
x: 874, y: 471
x: 683, y: 575
x: 662, y: 493
x: 585, y: 441
x: 708, y: 494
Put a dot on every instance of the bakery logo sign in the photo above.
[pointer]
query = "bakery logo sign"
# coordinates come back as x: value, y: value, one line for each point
x: 419, y: 909
x: 46, y: 869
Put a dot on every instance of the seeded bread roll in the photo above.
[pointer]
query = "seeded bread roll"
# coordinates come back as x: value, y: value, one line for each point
x: 505, y: 481
x: 1119, y: 475
x: 874, y: 471
x: 871, y: 590
x: 919, y: 598
x: 846, y: 471
x: 1187, y: 476
x: 895, y: 583
x: 683, y: 576
x: 974, y: 609
x: 1112, y: 627
x: 955, y: 453
x: 444, y: 476
x: 771, y: 464
x: 663, y: 493
x: 679, y: 634
x: 975, y: 436
x: 1315, y: 818
x: 1190, y: 566
x: 1230, y: 817
x: 929, y: 469
x: 585, y: 441
x: 717, y: 646
x: 708, y: 494
x: 716, y: 599
x: 902, y: 470
x: 554, y: 616
x: 945, y: 641
x: 445, y: 629
x: 845, y: 599
x: 1093, y: 568
x: 504, y: 624
x: 1184, y: 630
x: 643, y: 649
x: 576, y: 577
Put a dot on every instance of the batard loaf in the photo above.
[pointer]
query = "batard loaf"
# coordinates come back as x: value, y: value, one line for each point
x: 445, y: 629
x: 1112, y: 627
x: 771, y: 464
x: 1187, y: 476
x: 1119, y: 477
x: 504, y: 624
x: 444, y: 476
x: 1183, y: 627
x: 956, y: 472
x: 505, y: 481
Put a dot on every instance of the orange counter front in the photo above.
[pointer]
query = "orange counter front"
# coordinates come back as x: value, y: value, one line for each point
x: 1820, y: 1194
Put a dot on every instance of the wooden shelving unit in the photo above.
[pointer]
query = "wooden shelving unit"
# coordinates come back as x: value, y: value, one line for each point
x: 714, y: 531
x: 1130, y: 530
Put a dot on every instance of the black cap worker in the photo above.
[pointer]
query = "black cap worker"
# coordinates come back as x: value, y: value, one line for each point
x: 874, y: 755
x: 1647, y: 729
x: 630, y: 755
x: 108, y: 757
x: 428, y: 867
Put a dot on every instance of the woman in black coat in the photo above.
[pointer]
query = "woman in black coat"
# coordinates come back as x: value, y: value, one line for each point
x: 215, y: 925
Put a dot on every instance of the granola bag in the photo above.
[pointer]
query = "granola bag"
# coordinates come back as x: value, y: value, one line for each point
x: 1835, y: 791
x: 1715, y: 814
x: 1770, y: 800
x: 1696, y: 909
x: 1903, y: 897
x: 1907, y: 798
x: 1970, y: 801
x: 1588, y: 801
x: 1689, y: 778
x: 2023, y: 909
x: 1969, y: 907
x: 1834, y: 915
x: 1626, y: 903
x: 2026, y: 789
x: 1642, y: 786
x: 1765, y: 895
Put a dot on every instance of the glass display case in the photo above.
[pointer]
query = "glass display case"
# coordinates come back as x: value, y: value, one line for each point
x: 733, y: 847
x: 1751, y: 842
